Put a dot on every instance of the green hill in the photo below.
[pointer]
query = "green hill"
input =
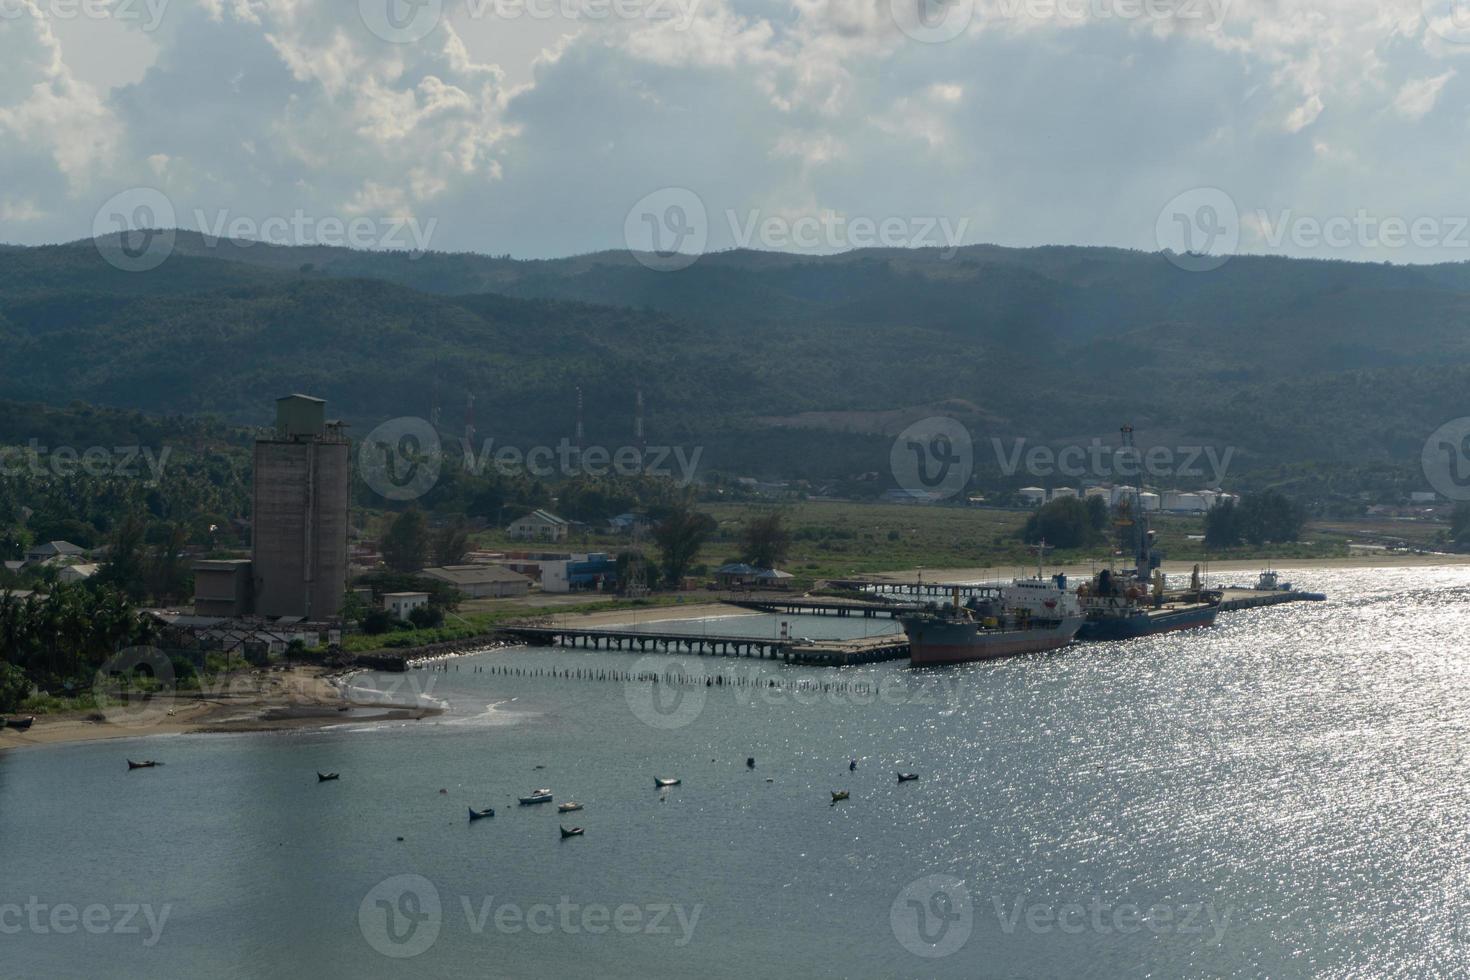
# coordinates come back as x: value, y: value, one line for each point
x: 779, y: 365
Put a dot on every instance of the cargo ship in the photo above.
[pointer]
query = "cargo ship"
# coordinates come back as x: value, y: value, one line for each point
x: 1133, y: 603
x: 1123, y: 610
x: 982, y: 630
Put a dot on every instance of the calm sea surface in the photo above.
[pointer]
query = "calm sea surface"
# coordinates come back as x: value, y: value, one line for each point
x: 1287, y: 794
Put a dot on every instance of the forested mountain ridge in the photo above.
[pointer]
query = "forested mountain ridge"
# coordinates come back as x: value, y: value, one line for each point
x: 778, y: 364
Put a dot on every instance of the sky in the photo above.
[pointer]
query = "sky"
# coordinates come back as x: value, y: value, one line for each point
x: 545, y: 128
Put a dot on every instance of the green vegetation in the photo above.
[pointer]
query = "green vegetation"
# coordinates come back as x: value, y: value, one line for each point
x: 765, y: 540
x: 59, y: 640
x: 775, y: 365
x: 1068, y: 523
x: 1259, y: 519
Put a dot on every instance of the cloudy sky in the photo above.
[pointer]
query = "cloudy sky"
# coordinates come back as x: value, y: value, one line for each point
x: 1328, y: 128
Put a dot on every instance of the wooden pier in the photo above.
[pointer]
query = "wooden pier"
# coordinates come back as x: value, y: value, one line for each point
x: 801, y: 606
x: 918, y: 589
x: 826, y: 653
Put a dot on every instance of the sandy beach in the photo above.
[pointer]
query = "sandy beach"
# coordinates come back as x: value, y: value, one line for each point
x: 249, y: 701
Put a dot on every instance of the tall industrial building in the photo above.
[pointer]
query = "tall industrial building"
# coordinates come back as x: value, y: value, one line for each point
x: 299, y: 546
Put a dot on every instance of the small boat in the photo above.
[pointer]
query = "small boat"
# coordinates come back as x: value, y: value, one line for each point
x: 141, y: 765
x: 750, y: 763
x: 574, y: 832
x: 481, y: 814
x: 19, y: 724
x: 539, y: 796
x: 907, y: 777
x: 568, y: 807
x: 839, y: 795
x: 664, y: 783
x: 327, y: 777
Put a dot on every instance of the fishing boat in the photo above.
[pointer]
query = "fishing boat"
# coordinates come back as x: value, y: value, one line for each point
x: 568, y: 807
x: 19, y: 724
x: 481, y: 814
x: 839, y: 795
x: 150, y: 764
x: 574, y: 832
x: 327, y: 777
x: 664, y: 783
x: 907, y: 777
x: 539, y: 796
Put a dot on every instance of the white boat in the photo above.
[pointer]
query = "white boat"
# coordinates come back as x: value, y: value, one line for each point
x: 568, y: 807
x: 664, y: 783
x: 1270, y: 582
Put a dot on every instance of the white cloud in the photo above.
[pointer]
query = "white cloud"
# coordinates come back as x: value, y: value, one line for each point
x: 1418, y: 96
x: 1040, y: 128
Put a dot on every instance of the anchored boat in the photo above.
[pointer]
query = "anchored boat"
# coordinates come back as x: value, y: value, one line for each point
x: 983, y: 629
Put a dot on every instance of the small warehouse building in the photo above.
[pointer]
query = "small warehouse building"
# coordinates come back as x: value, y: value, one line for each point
x: 400, y: 604
x: 482, y: 581
x: 539, y: 525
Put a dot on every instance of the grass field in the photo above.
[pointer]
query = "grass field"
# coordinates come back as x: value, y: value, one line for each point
x: 838, y: 539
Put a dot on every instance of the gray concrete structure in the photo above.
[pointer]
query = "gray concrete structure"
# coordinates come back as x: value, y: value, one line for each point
x: 222, y: 587
x: 299, y: 545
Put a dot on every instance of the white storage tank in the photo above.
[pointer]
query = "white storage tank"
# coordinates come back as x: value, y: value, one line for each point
x: 1121, y: 494
x: 1033, y: 496
x: 1149, y: 500
x: 1191, y: 503
x: 1061, y: 492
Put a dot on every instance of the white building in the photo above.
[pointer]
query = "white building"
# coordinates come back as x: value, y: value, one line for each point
x: 539, y: 525
x: 400, y: 604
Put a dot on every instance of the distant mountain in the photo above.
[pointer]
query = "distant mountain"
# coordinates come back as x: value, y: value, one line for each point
x: 778, y: 364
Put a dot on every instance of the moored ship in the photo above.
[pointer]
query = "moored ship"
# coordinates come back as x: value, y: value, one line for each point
x: 981, y: 631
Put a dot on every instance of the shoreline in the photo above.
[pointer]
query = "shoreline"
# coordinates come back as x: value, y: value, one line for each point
x: 304, y: 698
x: 280, y: 700
x: 1172, y: 567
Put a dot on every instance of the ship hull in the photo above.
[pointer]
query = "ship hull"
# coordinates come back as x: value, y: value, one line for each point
x: 935, y: 642
x: 1152, y: 623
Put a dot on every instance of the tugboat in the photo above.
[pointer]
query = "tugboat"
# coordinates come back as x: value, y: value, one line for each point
x: 983, y: 629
